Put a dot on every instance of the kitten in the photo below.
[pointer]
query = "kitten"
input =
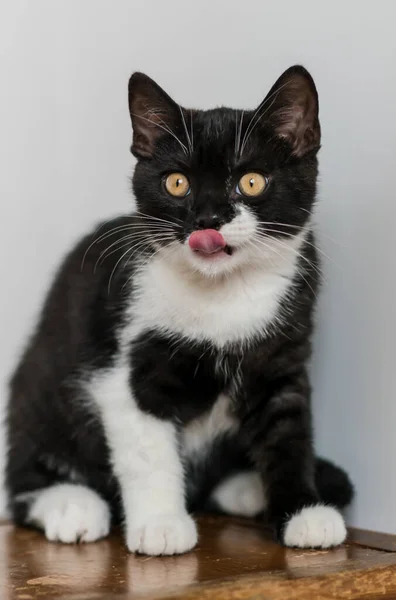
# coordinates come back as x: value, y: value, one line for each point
x: 168, y: 372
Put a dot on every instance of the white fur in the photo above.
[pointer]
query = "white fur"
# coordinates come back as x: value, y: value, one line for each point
x: 70, y: 513
x: 174, y: 294
x: 238, y: 234
x: 146, y: 461
x: 315, y: 527
x: 241, y: 494
x: 198, y: 435
x: 176, y: 297
x: 228, y: 310
x: 160, y: 533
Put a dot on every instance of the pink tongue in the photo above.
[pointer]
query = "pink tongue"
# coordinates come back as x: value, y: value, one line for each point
x: 207, y: 241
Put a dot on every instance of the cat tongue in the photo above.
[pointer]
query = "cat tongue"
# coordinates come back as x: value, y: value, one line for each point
x: 207, y: 241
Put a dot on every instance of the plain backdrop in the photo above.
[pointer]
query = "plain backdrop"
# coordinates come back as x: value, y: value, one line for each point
x: 65, y: 163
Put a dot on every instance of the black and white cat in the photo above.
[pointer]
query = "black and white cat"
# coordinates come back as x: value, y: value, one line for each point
x: 168, y: 371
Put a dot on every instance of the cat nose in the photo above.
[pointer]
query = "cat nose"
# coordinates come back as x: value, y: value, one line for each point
x: 207, y: 221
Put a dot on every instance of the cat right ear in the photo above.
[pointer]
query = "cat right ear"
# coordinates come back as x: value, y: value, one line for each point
x: 293, y: 108
x: 153, y: 114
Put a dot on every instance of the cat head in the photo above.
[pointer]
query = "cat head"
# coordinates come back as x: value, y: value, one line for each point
x: 223, y: 189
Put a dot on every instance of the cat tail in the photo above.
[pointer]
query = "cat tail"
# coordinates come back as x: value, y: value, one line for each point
x: 333, y: 484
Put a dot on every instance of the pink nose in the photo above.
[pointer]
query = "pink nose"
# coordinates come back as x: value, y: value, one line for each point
x: 207, y: 241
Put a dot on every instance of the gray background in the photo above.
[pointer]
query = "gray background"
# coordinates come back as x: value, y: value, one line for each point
x: 65, y: 163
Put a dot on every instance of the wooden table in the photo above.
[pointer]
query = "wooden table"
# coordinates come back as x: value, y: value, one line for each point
x: 235, y: 559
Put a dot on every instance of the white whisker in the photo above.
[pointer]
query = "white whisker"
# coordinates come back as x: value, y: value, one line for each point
x: 239, y: 134
x: 165, y: 128
x: 105, y: 254
x: 142, y: 236
x: 253, y: 126
x: 317, y: 248
x: 260, y: 107
x: 144, y: 215
x: 145, y: 262
x: 118, y: 262
x: 185, y: 129
x: 143, y: 245
x: 132, y: 227
x: 298, y: 254
x: 279, y: 224
x: 192, y: 131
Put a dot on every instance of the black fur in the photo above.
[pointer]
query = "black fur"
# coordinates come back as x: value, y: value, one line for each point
x: 77, y: 331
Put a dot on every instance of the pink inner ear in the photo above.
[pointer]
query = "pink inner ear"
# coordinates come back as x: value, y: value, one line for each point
x: 207, y: 241
x: 296, y: 114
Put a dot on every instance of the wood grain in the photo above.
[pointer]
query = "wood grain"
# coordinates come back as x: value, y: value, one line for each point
x: 235, y: 559
x: 373, y: 539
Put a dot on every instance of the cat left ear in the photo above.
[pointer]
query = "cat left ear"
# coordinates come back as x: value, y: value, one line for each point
x: 153, y: 114
x: 293, y: 109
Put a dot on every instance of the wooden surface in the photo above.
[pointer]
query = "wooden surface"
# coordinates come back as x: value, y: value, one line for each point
x: 235, y: 559
x: 373, y: 539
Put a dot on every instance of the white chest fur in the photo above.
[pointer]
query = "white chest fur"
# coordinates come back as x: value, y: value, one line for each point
x: 231, y: 310
x: 198, y: 435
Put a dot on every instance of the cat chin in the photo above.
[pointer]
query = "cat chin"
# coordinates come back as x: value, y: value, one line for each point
x: 216, y: 265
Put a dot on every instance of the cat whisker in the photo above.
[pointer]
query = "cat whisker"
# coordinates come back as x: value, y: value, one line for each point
x: 192, y: 131
x: 140, y: 214
x: 105, y: 254
x: 298, y: 254
x: 136, y: 227
x: 300, y: 271
x: 147, y: 244
x: 157, y: 113
x: 164, y: 128
x: 263, y: 223
x: 118, y: 262
x: 255, y: 245
x: 171, y: 244
x: 124, y: 227
x: 101, y: 225
x: 252, y: 125
x: 140, y: 247
x: 115, y: 268
x: 131, y: 227
x: 277, y: 240
x: 258, y: 119
x: 103, y: 237
x: 128, y: 239
x: 238, y: 132
x: 291, y: 235
x: 145, y: 262
x: 236, y: 135
x: 185, y: 129
x: 278, y: 224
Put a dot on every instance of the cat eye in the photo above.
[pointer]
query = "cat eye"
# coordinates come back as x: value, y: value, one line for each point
x: 251, y: 184
x: 177, y: 184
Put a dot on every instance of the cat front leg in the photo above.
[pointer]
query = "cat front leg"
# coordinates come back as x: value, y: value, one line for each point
x: 145, y: 458
x: 278, y: 433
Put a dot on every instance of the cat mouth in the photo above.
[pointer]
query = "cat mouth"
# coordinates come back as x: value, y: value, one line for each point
x: 214, y: 254
x: 209, y: 244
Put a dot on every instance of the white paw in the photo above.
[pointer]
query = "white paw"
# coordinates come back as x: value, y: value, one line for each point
x: 163, y: 534
x: 241, y: 494
x: 70, y: 513
x: 315, y: 527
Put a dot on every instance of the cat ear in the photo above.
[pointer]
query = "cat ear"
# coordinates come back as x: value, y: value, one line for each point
x: 293, y: 109
x: 152, y: 112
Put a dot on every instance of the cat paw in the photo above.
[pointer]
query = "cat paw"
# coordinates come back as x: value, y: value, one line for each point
x: 163, y: 534
x: 70, y: 513
x: 241, y: 494
x: 315, y: 527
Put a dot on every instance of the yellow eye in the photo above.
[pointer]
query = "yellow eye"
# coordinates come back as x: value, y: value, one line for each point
x: 252, y: 184
x: 177, y: 184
